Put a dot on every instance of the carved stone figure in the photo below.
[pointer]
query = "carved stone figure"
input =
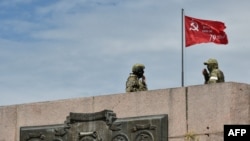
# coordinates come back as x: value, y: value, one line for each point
x: 136, y: 80
x: 144, y: 136
x: 215, y: 75
x: 120, y: 137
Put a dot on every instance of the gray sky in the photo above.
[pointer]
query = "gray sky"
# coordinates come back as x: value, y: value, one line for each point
x: 59, y: 49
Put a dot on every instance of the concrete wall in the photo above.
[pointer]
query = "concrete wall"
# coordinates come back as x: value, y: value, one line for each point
x: 202, y: 110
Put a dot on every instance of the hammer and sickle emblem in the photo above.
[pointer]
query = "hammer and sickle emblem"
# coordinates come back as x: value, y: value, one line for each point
x: 194, y: 26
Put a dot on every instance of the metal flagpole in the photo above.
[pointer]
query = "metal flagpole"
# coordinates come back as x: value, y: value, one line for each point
x: 182, y: 46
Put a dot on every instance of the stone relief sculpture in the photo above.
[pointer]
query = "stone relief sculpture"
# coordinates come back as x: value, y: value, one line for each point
x: 89, y: 136
x: 100, y: 126
x: 120, y: 137
x: 144, y: 136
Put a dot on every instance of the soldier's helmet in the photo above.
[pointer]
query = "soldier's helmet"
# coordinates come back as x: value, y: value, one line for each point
x: 211, y: 61
x: 137, y: 67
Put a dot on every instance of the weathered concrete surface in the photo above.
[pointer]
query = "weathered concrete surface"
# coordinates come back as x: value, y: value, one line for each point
x: 212, y: 106
x: 201, y: 110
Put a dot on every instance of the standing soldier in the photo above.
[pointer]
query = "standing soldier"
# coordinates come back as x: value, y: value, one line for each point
x: 215, y: 75
x: 136, y: 80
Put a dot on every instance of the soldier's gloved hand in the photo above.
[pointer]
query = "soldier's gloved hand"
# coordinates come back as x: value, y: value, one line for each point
x: 205, y: 74
x: 143, y: 79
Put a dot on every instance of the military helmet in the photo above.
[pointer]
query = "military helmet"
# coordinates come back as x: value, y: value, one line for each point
x: 137, y: 67
x: 211, y: 61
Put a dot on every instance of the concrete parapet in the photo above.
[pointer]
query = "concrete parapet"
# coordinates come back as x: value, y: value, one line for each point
x: 201, y: 109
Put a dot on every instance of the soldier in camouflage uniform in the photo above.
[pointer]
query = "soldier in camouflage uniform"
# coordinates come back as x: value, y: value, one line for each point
x: 136, y: 80
x: 215, y: 75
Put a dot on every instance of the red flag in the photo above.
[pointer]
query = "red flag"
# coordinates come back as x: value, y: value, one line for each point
x: 204, y: 31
